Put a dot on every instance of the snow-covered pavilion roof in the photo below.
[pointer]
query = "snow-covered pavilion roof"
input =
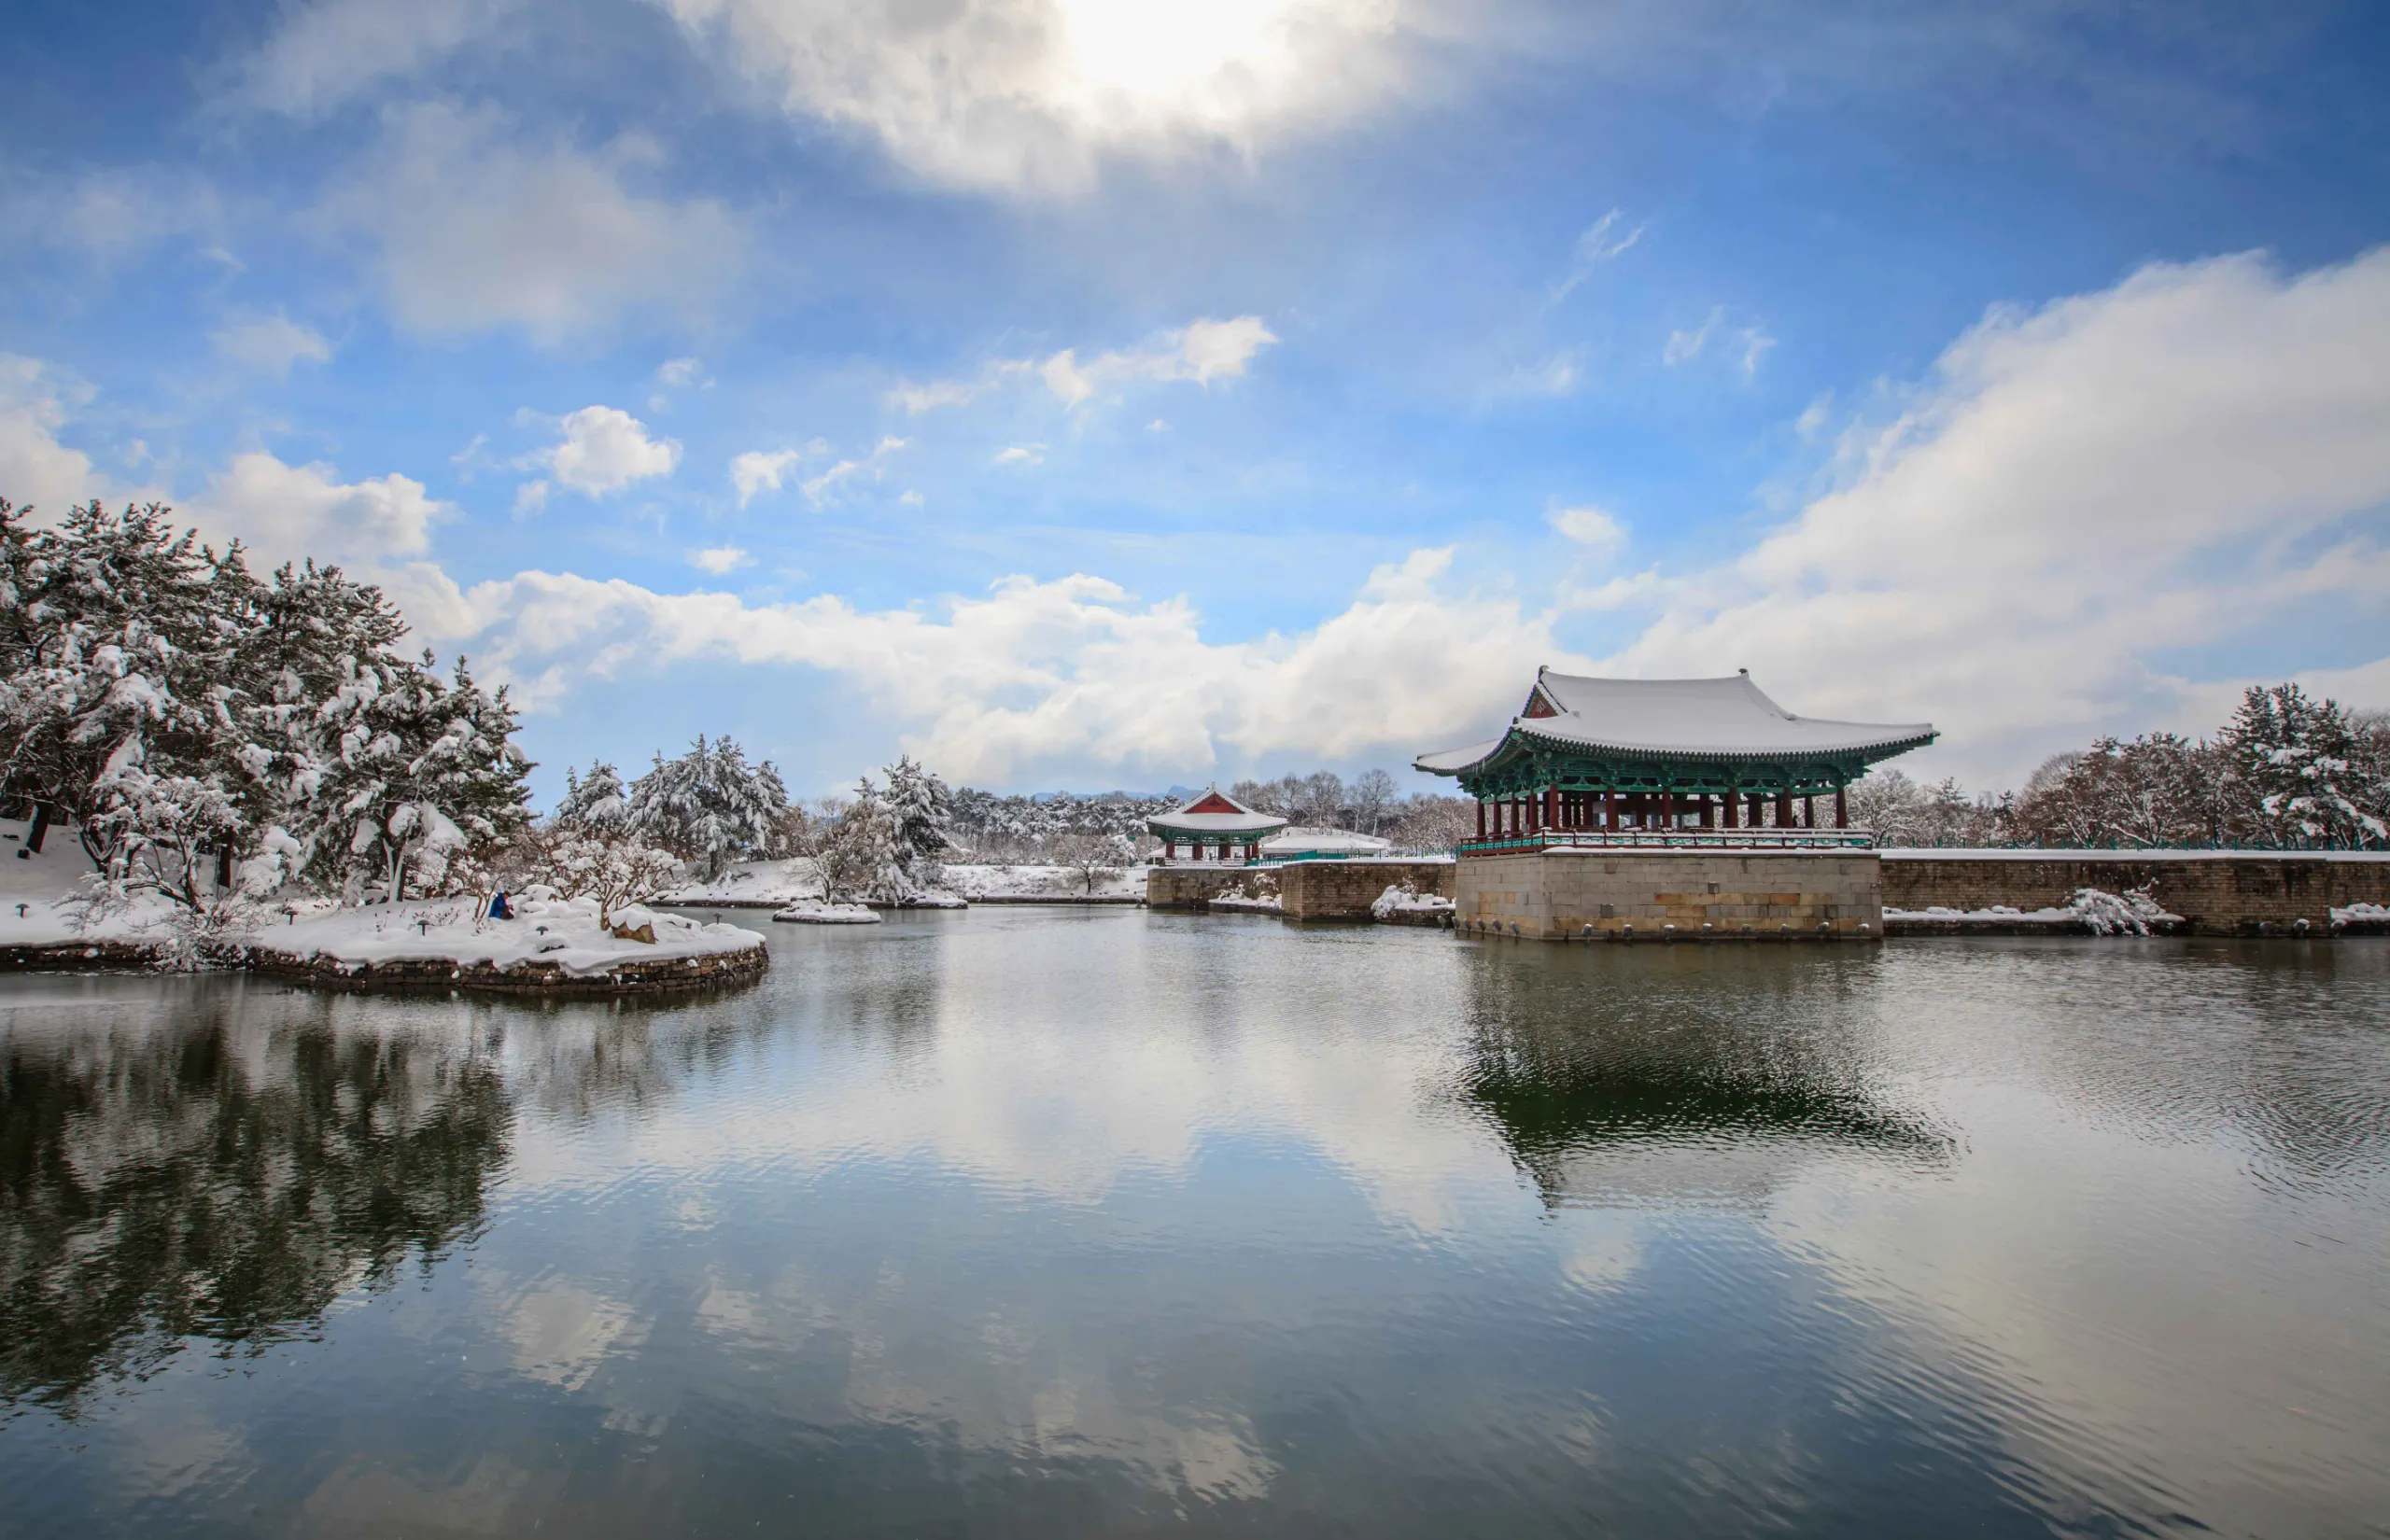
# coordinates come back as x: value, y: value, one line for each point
x: 1325, y: 841
x: 1728, y: 718
x: 1214, y: 813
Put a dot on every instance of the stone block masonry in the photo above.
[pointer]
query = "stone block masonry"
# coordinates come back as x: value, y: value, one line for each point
x: 2217, y: 892
x: 1310, y: 890
x: 1590, y: 893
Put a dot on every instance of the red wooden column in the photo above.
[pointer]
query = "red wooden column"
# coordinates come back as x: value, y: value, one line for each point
x: 1610, y: 809
x: 1732, y: 800
x: 1481, y: 817
x: 1552, y: 807
x: 1668, y: 808
x: 1784, y: 809
x: 1808, y: 812
x: 1841, y: 807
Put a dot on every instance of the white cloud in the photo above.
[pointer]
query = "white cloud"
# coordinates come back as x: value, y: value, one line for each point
x: 1021, y: 455
x: 761, y: 470
x: 1601, y: 241
x: 1034, y: 95
x: 911, y: 498
x: 2181, y: 461
x: 1601, y: 535
x: 679, y: 373
x: 1752, y: 340
x: 324, y: 55
x: 821, y: 490
x: 1202, y: 351
x: 1077, y: 668
x: 719, y: 560
x: 36, y: 469
x: 1684, y: 346
x: 604, y: 449
x: 288, y: 512
x: 476, y: 229
x: 270, y: 345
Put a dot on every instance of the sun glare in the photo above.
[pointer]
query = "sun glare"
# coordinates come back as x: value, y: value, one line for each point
x: 1203, y: 59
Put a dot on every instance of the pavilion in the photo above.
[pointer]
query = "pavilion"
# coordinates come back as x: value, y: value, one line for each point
x: 1216, y: 822
x: 1614, y: 757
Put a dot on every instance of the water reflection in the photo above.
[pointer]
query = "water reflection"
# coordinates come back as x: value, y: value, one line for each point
x: 214, y: 1181
x: 1622, y: 1076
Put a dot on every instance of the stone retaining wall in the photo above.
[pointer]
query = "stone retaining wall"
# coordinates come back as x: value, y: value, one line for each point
x: 1657, y: 895
x: 545, y: 979
x: 1310, y: 890
x: 77, y: 957
x: 2217, y: 894
x: 1344, y: 889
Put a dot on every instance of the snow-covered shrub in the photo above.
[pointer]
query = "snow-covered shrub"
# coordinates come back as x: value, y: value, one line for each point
x: 1092, y: 858
x: 602, y: 862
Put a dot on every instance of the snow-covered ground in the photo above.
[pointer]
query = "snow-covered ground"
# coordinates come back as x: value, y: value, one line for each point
x: 752, y: 882
x: 565, y: 934
x: 973, y: 880
x: 1264, y: 904
x: 2362, y: 913
x: 816, y: 912
x: 36, y: 884
x: 2106, y: 913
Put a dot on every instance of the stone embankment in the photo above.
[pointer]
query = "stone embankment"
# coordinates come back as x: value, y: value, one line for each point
x: 549, y: 980
x: 2216, y: 892
x: 1306, y: 889
x: 1588, y: 893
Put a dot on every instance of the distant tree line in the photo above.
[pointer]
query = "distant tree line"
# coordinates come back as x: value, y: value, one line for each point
x: 2287, y: 772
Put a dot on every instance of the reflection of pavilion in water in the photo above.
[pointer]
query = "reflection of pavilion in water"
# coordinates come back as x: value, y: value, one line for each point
x: 1654, y: 1096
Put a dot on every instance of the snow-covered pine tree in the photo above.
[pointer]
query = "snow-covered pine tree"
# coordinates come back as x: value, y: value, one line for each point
x: 593, y: 801
x: 422, y: 770
x: 113, y: 653
x: 860, y: 859
x: 710, y: 806
x: 2293, y: 762
x: 921, y: 807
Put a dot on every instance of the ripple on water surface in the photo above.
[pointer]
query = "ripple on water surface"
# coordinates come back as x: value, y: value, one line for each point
x: 1102, y: 1223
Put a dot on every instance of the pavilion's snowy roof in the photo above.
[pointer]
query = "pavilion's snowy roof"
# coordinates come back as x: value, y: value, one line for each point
x: 1325, y: 841
x: 1216, y: 813
x: 1728, y: 718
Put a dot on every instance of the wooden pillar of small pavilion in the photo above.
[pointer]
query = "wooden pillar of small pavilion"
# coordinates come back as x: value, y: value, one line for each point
x: 1841, y: 807
x: 1552, y: 807
x: 1668, y: 808
x: 1481, y: 817
x: 1808, y: 812
x: 1731, y: 800
x: 1784, y: 809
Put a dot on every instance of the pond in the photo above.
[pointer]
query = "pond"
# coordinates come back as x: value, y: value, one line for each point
x: 1050, y: 1223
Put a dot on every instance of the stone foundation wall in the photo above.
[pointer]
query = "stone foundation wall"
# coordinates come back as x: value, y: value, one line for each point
x: 1344, y: 889
x: 1310, y: 890
x: 1191, y: 887
x: 1629, y: 894
x: 2216, y: 894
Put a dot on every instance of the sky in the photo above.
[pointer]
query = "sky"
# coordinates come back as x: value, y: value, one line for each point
x: 1131, y: 393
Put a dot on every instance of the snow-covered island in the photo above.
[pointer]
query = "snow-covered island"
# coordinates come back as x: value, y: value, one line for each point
x: 550, y: 946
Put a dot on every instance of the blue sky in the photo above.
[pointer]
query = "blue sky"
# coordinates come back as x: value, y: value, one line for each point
x: 1112, y: 394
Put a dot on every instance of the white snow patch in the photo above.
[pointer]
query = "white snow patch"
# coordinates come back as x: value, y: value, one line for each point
x: 1400, y: 900
x: 565, y: 933
x: 816, y: 912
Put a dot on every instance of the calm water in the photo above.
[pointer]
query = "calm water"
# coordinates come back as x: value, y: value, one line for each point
x: 1044, y: 1224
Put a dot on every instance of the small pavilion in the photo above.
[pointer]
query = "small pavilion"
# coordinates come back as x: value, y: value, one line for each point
x: 1615, y: 757
x: 1214, y: 822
